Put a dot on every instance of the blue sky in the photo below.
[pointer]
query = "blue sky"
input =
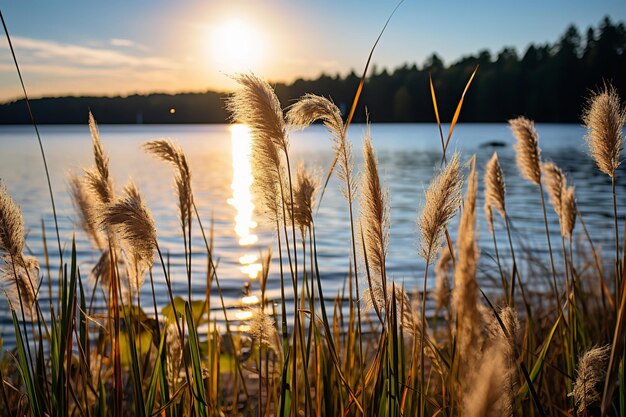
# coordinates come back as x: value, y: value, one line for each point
x: 114, y: 47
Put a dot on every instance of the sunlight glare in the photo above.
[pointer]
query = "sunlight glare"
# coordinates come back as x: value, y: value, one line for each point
x: 242, y: 197
x: 236, y: 47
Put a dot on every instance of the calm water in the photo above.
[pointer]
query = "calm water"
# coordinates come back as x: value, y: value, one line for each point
x: 221, y: 181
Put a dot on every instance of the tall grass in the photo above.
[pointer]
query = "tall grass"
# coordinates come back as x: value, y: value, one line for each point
x: 476, y: 356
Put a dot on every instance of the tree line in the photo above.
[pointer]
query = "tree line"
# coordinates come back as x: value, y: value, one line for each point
x: 548, y: 83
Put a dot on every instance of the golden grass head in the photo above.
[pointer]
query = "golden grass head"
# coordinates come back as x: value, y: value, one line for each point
x: 174, y: 355
x: 510, y: 335
x: 589, y: 373
x: 374, y: 212
x: 98, y: 178
x: 495, y: 189
x: 83, y: 201
x: 527, y: 152
x: 442, y: 292
x: 21, y: 273
x: 263, y: 330
x: 443, y: 198
x: 555, y: 182
x: 255, y: 104
x: 568, y: 211
x: 465, y: 294
x: 135, y: 227
x: 11, y: 225
x: 167, y: 151
x: 310, y: 108
x: 604, y: 117
x: 305, y: 192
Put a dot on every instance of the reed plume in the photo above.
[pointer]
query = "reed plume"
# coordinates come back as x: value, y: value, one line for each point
x: 490, y: 395
x: 11, y: 225
x: 98, y: 178
x: 374, y: 213
x: 18, y: 271
x: 305, y: 192
x: 495, y: 189
x: 173, y: 154
x: 604, y: 117
x: 310, y: 108
x: 174, y: 355
x: 527, y: 152
x: 568, y: 212
x: 443, y: 199
x: 589, y: 373
x: 263, y: 330
x: 441, y: 295
x: 555, y: 183
x: 465, y: 294
x: 561, y: 197
x: 135, y: 226
x: 256, y: 105
x: 83, y: 201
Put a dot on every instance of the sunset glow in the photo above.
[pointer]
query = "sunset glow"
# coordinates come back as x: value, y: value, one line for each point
x: 236, y: 47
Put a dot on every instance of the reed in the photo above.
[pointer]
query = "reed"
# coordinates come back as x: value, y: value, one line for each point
x: 372, y: 352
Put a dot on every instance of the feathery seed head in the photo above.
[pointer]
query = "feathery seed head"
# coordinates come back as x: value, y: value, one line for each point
x: 169, y: 152
x: 83, y: 199
x: 135, y: 226
x: 568, y: 212
x: 174, y: 355
x: 527, y: 152
x: 555, y: 183
x: 11, y: 225
x: 441, y: 295
x: 374, y: 212
x: 22, y: 276
x: 255, y: 104
x: 98, y: 178
x: 589, y: 373
x: 310, y: 108
x: 304, y: 197
x: 465, y: 294
x: 494, y: 189
x: 604, y: 118
x: 443, y: 199
x: 263, y: 330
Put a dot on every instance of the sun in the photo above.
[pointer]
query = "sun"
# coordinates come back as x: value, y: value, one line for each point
x: 236, y: 46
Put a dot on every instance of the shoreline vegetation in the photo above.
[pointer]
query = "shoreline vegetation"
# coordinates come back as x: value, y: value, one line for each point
x: 546, y: 82
x: 512, y: 353
x: 374, y: 350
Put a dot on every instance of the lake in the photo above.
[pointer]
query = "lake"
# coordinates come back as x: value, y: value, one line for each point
x: 408, y: 155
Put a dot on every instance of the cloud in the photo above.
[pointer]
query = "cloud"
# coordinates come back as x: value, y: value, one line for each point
x: 127, y: 43
x: 37, y: 52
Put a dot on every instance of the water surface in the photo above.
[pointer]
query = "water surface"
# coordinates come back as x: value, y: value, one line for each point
x: 219, y: 159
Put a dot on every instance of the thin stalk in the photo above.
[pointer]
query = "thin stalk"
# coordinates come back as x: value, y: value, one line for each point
x: 43, y: 154
x: 596, y: 258
x: 545, y: 221
x: 422, y: 391
x: 358, y: 296
x: 502, y: 278
x: 618, y: 265
x: 219, y: 291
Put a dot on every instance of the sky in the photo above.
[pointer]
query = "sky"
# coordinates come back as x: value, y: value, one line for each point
x: 114, y: 47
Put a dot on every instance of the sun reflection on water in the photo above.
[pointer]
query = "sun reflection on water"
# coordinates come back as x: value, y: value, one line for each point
x: 242, y: 198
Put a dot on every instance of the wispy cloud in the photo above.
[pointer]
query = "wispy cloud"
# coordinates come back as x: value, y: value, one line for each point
x: 54, y: 68
x: 37, y: 52
x: 127, y: 43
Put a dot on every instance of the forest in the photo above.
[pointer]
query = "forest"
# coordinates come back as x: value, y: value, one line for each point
x: 548, y: 83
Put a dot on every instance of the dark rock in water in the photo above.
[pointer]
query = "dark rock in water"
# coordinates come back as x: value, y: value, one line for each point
x: 493, y: 144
